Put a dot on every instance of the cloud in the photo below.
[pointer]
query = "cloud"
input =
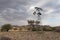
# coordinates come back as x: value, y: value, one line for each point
x: 19, y: 11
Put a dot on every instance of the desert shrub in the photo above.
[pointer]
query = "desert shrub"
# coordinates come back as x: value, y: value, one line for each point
x: 57, y: 30
x: 29, y: 29
x: 44, y: 29
x: 47, y: 29
x: 38, y: 29
x: 6, y: 27
x: 15, y: 28
x: 5, y: 38
x: 20, y: 29
x: 53, y: 28
x: 34, y: 29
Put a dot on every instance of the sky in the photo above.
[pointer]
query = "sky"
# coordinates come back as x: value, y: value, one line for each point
x: 17, y: 12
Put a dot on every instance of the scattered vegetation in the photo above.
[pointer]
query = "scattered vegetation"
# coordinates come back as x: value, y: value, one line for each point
x: 31, y: 27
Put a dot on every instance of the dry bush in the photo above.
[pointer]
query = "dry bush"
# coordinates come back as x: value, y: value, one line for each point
x: 5, y: 38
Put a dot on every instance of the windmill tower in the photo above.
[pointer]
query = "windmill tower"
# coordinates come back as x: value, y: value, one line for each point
x: 38, y: 13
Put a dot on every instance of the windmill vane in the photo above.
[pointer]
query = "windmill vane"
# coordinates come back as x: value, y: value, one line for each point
x: 38, y: 12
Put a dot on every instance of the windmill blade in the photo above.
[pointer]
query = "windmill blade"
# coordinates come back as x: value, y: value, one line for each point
x: 37, y: 8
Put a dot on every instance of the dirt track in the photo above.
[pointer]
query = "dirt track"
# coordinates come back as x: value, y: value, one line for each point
x: 29, y: 36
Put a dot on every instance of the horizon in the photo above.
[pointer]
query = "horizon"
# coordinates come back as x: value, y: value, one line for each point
x: 17, y: 12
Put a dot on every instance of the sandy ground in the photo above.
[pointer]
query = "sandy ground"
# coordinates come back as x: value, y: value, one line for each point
x: 29, y: 36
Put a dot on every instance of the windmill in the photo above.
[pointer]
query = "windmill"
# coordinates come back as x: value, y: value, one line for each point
x: 38, y: 13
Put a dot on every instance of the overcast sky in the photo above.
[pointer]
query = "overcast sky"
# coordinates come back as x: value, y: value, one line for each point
x: 17, y: 12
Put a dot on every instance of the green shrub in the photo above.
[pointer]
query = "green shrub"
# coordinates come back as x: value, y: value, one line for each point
x: 6, y: 27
